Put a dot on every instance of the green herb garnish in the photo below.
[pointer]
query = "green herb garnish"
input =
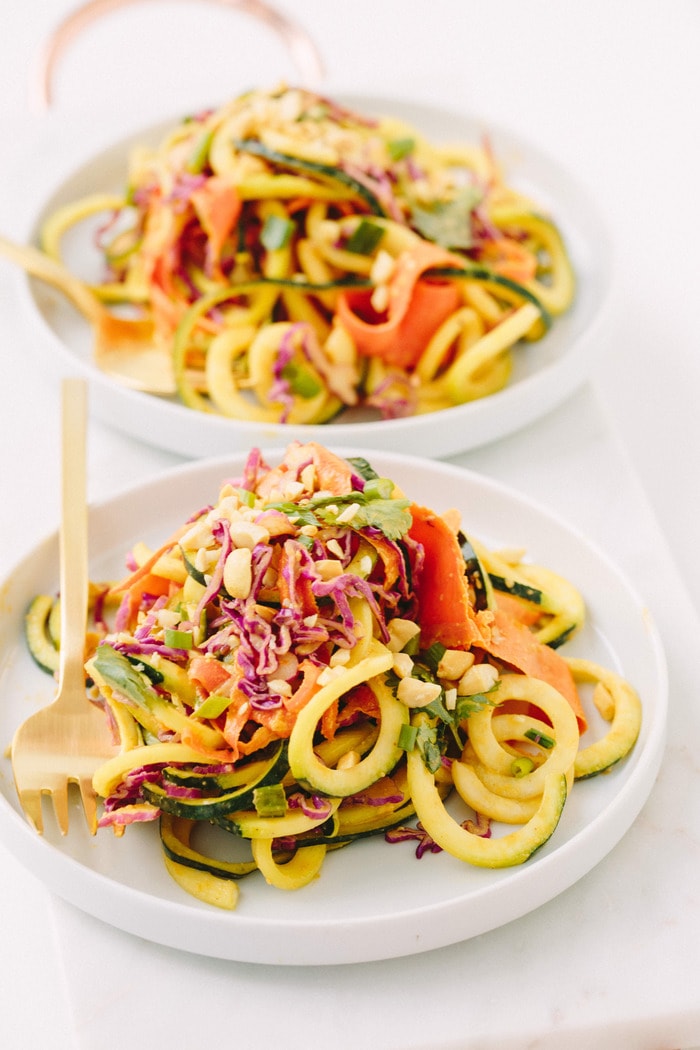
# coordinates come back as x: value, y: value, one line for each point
x: 448, y: 223
x: 213, y: 706
x: 407, y: 737
x: 276, y: 232
x: 178, y: 639
x: 540, y: 738
x: 302, y: 381
x: 400, y: 148
x: 270, y: 800
x: 364, y: 238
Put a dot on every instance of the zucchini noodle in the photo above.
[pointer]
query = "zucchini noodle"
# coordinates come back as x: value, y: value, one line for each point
x: 284, y: 677
x: 284, y: 211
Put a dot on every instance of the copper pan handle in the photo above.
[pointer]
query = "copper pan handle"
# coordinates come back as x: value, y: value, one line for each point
x: 303, y: 51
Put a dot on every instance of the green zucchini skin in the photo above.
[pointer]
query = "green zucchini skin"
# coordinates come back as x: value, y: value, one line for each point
x: 486, y: 276
x: 181, y: 852
x: 517, y: 589
x: 313, y: 168
x: 39, y: 642
x: 190, y: 568
x: 215, y: 806
x: 477, y: 577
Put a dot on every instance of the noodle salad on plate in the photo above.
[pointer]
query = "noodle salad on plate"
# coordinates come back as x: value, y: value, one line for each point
x: 295, y: 259
x: 314, y: 658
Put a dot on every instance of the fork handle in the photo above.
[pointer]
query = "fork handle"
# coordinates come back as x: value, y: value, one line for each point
x: 73, y: 534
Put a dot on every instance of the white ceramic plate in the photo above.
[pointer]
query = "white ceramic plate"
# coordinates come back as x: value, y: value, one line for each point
x: 545, y: 373
x: 373, y: 900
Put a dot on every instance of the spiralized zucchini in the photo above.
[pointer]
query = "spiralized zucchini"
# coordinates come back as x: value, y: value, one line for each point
x: 285, y: 677
x: 297, y: 259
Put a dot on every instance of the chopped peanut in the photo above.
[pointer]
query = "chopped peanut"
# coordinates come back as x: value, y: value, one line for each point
x: 279, y: 686
x: 328, y: 568
x: 348, y: 514
x: 400, y: 632
x: 308, y: 477
x: 454, y: 664
x: 238, y: 574
x: 478, y: 679
x: 414, y: 693
x: 248, y: 534
x: 403, y: 665
x: 348, y: 760
x: 329, y: 674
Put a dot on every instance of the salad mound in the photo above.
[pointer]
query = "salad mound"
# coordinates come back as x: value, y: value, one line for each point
x: 293, y: 259
x: 314, y: 658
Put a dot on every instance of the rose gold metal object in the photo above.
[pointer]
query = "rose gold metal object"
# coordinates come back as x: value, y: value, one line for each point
x: 301, y: 48
x: 65, y: 742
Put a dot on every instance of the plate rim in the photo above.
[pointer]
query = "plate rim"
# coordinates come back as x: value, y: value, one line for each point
x: 141, y: 914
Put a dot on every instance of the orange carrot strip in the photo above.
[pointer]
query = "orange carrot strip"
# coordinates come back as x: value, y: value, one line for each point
x: 144, y: 570
x: 416, y: 309
x: 300, y: 698
x: 218, y: 206
x: 514, y: 644
x: 209, y: 673
x: 510, y: 259
x: 518, y: 609
x: 445, y: 613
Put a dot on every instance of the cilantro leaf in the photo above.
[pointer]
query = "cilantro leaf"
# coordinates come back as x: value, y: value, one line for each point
x: 448, y: 223
x: 299, y: 513
x: 432, y: 656
x: 363, y: 468
x: 427, y: 744
x: 389, y: 515
x: 469, y: 705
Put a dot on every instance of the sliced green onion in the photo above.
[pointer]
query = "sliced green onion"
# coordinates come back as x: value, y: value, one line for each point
x: 200, y: 154
x: 412, y: 646
x: 378, y: 488
x: 407, y: 737
x: 364, y: 238
x: 177, y: 639
x: 276, y: 232
x: 540, y: 738
x: 400, y: 148
x: 270, y: 800
x: 301, y: 381
x: 213, y: 706
x: 520, y: 767
x: 246, y: 497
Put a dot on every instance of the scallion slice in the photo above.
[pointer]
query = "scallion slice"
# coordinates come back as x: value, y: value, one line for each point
x: 407, y: 737
x: 522, y: 766
x: 177, y: 639
x: 276, y: 232
x: 270, y: 800
x: 540, y: 738
x: 213, y: 706
x: 400, y: 148
x: 301, y: 381
x: 365, y: 238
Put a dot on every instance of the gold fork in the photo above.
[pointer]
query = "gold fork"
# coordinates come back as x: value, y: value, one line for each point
x: 66, y: 741
x: 123, y: 348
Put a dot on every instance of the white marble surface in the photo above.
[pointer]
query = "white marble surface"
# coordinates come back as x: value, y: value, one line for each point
x: 610, y: 89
